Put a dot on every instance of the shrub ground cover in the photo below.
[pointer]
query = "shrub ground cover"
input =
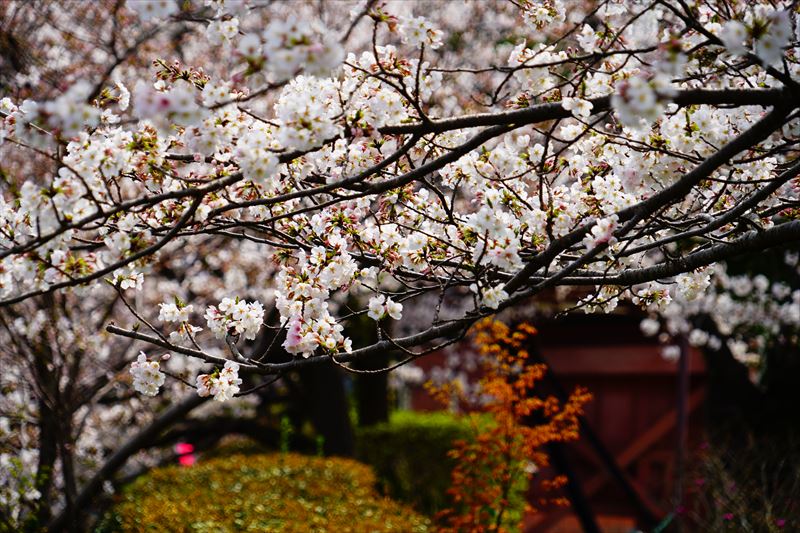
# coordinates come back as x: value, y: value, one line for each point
x: 267, y: 492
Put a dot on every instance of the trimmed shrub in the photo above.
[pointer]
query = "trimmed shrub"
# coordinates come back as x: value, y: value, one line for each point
x: 235, y: 445
x: 274, y: 492
x: 409, y: 456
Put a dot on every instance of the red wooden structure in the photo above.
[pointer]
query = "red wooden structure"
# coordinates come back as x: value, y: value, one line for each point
x: 634, y: 413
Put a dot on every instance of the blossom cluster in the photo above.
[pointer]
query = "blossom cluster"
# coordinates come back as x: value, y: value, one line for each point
x: 372, y: 103
x: 147, y: 375
x: 222, y: 385
x: 304, y: 290
x: 639, y: 102
x: 176, y: 104
x: 417, y: 31
x: 180, y: 313
x: 235, y: 317
x: 749, y: 312
x: 153, y: 9
x: 771, y: 33
x: 306, y: 111
x: 289, y: 46
x: 381, y: 306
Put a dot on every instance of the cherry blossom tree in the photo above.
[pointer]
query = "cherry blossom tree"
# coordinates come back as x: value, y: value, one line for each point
x: 237, y: 182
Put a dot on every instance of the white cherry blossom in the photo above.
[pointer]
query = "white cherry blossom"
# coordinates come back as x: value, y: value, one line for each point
x: 147, y: 375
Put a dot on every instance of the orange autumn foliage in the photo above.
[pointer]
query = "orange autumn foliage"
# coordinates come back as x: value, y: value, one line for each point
x: 495, y: 468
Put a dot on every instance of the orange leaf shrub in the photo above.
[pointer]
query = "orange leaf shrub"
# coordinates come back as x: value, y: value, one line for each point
x: 493, y: 470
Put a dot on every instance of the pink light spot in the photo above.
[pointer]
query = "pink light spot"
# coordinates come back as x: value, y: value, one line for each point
x: 185, y: 455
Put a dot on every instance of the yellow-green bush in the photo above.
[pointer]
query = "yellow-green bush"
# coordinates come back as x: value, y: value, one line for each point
x: 274, y: 492
x: 409, y: 455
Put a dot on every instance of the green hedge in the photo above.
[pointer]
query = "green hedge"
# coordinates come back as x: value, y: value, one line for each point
x: 409, y: 456
x: 268, y: 492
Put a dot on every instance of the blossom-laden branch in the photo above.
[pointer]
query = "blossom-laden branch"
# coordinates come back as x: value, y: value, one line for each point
x: 627, y: 148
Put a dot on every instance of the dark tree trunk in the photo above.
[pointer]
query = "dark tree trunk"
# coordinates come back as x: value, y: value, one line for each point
x: 50, y: 426
x: 327, y: 406
x: 372, y: 392
x: 48, y: 452
x: 65, y: 447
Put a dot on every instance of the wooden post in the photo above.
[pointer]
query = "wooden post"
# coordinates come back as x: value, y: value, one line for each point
x: 681, y: 423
